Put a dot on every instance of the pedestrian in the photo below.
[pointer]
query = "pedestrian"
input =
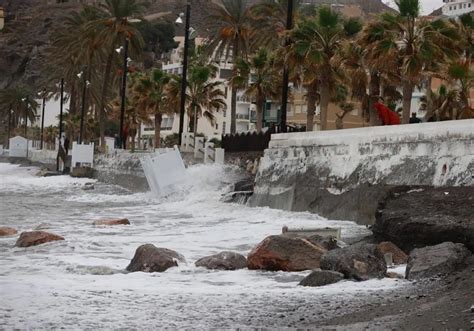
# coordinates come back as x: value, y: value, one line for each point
x: 414, y: 119
x: 386, y: 115
x: 66, y: 145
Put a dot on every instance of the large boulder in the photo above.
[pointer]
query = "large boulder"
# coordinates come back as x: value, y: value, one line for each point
x: 149, y: 258
x: 398, y: 256
x: 223, y: 261
x: 359, y: 261
x: 436, y: 260
x: 33, y: 238
x: 111, y: 221
x: 321, y: 278
x: 6, y: 231
x: 414, y: 217
x: 286, y: 254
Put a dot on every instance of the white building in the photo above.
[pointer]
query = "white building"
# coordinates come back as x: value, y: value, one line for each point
x: 454, y: 8
x: 246, y: 110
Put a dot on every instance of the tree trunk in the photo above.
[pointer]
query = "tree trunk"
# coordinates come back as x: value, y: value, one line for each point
x: 73, y: 100
x: 374, y: 93
x: 324, y: 104
x: 407, y: 97
x: 233, y: 101
x: 158, y: 119
x: 312, y: 95
x: 103, y: 96
x: 260, y: 110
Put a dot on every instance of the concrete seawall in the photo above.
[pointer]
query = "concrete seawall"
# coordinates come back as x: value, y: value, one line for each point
x: 342, y: 174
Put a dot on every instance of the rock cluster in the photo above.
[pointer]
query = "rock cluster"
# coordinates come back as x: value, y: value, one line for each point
x: 223, y: 261
x: 436, y: 260
x: 414, y: 217
x: 7, y: 231
x: 149, y: 258
x: 321, y: 278
x: 359, y: 261
x: 33, y: 238
x: 287, y: 254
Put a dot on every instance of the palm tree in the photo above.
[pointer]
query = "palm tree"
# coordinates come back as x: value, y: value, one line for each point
x: 113, y: 30
x: 406, y: 43
x: 270, y: 17
x: 230, y: 23
x: 314, y: 44
x: 259, y: 78
x: 17, y: 100
x: 151, y: 95
x: 204, y: 95
x: 80, y: 48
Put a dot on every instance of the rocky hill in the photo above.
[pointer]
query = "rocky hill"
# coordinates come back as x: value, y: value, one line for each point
x: 28, y: 29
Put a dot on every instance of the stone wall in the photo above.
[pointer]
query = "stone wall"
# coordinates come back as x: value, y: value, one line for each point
x: 343, y: 174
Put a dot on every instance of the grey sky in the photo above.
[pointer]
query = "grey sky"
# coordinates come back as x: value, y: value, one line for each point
x: 427, y: 6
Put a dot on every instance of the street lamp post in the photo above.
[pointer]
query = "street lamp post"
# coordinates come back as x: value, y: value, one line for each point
x: 182, y: 108
x: 284, y: 99
x: 60, y: 120
x: 9, y: 125
x: 42, y: 119
x: 85, y: 84
x: 123, y: 90
x: 26, y: 123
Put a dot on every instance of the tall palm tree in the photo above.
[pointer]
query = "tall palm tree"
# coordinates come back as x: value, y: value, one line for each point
x: 151, y: 95
x: 16, y: 100
x: 315, y: 43
x: 205, y: 95
x: 259, y: 78
x: 230, y: 25
x: 114, y: 29
x: 406, y: 43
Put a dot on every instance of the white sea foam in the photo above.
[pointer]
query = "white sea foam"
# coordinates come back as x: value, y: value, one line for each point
x: 79, y: 282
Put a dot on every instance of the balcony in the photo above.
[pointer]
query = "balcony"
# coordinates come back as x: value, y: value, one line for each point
x: 243, y: 117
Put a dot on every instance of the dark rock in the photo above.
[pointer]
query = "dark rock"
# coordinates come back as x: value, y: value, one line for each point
x: 398, y: 256
x: 328, y: 243
x: 414, y: 217
x: 244, y: 185
x: 112, y: 221
x: 34, y: 238
x: 149, y: 258
x: 82, y: 172
x: 321, y: 278
x: 359, y: 261
x: 223, y: 261
x: 6, y: 231
x: 284, y: 253
x: 436, y: 260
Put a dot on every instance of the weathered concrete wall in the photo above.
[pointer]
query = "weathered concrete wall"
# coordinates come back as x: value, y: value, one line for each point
x: 343, y: 174
x: 43, y: 156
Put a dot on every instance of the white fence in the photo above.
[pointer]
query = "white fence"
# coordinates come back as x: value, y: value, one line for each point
x: 212, y: 154
x: 164, y: 170
x: 82, y: 155
x: 202, y: 149
x: 18, y: 147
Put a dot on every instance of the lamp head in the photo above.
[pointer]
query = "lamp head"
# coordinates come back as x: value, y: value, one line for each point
x: 119, y: 50
x: 79, y: 75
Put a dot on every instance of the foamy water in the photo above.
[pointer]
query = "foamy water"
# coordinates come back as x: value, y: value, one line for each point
x: 81, y: 283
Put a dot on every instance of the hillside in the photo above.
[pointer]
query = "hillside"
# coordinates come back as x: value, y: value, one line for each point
x: 27, y: 31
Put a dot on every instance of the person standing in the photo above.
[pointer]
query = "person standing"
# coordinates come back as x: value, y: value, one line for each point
x: 386, y: 115
x: 66, y: 145
x: 414, y: 119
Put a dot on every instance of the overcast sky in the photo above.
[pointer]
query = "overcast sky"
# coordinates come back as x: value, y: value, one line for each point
x: 427, y: 6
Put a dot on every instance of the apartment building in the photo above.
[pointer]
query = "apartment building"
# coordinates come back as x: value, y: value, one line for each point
x: 453, y: 8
